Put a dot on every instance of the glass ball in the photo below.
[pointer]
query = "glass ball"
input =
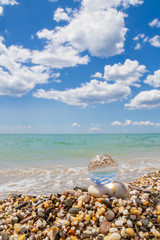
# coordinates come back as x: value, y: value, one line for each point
x: 102, y: 169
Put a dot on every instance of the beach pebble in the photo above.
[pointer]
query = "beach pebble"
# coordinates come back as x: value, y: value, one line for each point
x: 68, y: 202
x: 99, y: 190
x: 5, y: 236
x: 110, y: 215
x: 74, y: 210
x: 104, y: 227
x: 119, y: 189
x: 115, y: 236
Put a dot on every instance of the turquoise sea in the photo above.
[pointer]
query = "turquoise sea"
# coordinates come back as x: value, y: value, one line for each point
x: 45, y: 164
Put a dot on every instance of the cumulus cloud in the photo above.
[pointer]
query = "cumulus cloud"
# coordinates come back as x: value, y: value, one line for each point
x: 16, y: 78
x: 153, y: 80
x: 59, y: 57
x: 75, y: 124
x: 101, y: 32
x: 155, y: 23
x: 60, y: 15
x: 155, y: 41
x: 145, y: 100
x: 136, y: 123
x: 89, y: 93
x: 129, y: 72
x: 97, y: 75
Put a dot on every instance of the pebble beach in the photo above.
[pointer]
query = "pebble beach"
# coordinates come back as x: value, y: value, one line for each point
x: 75, y: 214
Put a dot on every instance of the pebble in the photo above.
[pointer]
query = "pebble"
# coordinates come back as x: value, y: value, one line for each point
x: 110, y: 215
x: 74, y: 210
x: 120, y: 190
x: 68, y: 202
x: 99, y: 190
x: 76, y: 214
x: 115, y: 236
x: 104, y: 227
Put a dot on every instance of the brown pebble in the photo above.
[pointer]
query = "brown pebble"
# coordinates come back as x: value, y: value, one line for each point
x: 35, y: 230
x: 104, y: 227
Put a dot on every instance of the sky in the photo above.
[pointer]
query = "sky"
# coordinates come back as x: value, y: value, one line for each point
x: 79, y: 66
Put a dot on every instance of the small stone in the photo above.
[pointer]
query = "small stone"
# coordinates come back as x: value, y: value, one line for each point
x: 19, y: 216
x: 87, y: 199
x: 68, y: 202
x: 41, y: 215
x: 144, y: 222
x: 35, y: 230
x: 110, y: 215
x: 32, y: 237
x: 158, y: 219
x: 5, y: 236
x: 99, y: 190
x: 107, y: 203
x: 21, y: 237
x: 17, y: 227
x: 49, y: 210
x: 21, y: 205
x: 74, y: 210
x: 39, y: 223
x: 23, y: 230
x: 115, y: 236
x: 15, y: 220
x: 119, y: 189
x: 100, y: 237
x: 104, y: 227
x: 85, y: 235
x: 130, y: 232
x: 100, y: 211
x: 119, y: 222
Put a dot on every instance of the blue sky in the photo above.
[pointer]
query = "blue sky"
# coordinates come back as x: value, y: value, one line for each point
x: 79, y: 66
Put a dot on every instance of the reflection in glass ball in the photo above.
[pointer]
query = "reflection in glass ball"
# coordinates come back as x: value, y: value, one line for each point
x: 102, y: 169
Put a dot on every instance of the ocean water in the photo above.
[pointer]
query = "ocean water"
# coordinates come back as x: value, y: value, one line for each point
x: 46, y: 164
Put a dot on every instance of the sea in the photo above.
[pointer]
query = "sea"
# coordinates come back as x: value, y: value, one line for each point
x: 50, y: 164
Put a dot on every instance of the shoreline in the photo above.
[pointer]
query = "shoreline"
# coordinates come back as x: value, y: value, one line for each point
x: 74, y: 214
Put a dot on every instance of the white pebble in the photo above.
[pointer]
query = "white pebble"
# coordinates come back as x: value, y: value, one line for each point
x: 125, y: 212
x: 141, y: 235
x: 112, y: 230
x: 129, y: 224
x: 119, y: 222
x: 115, y: 236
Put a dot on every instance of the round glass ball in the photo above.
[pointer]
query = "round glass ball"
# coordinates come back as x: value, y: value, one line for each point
x: 102, y: 169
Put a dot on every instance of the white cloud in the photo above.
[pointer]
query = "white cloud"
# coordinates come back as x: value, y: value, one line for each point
x: 128, y: 73
x: 8, y: 2
x: 98, y: 4
x: 75, y: 124
x: 1, y: 10
x: 153, y: 80
x: 155, y: 41
x: 97, y: 75
x: 60, y: 14
x: 89, y: 93
x: 138, y: 46
x: 95, y: 129
x: 140, y: 39
x: 16, y: 78
x: 145, y: 100
x: 101, y: 32
x: 136, y: 123
x: 127, y: 122
x: 116, y: 123
x: 155, y: 23
x: 59, y: 56
x: 53, y: 0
